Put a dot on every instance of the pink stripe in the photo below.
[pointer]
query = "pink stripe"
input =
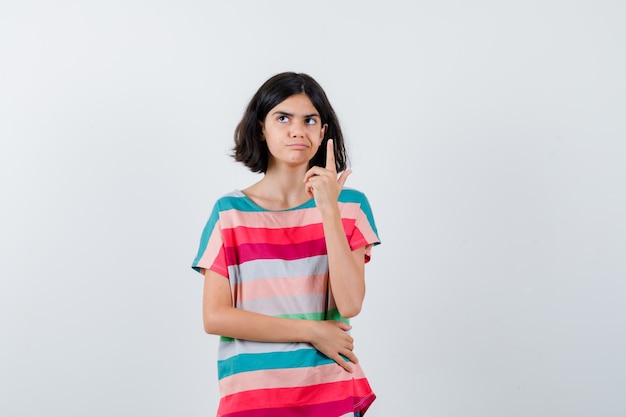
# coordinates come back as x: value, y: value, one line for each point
x: 363, y: 225
x: 234, y: 218
x: 274, y: 287
x: 214, y: 252
x: 249, y: 252
x: 368, y: 253
x: 289, y: 377
x: 284, y: 219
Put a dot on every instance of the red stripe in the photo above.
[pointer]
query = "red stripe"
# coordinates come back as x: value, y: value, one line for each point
x: 242, y: 234
x: 357, y: 236
x: 294, y: 397
x: 220, y: 264
x: 333, y: 408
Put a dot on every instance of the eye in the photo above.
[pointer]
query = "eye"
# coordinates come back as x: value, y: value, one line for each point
x: 310, y: 121
x: 283, y: 119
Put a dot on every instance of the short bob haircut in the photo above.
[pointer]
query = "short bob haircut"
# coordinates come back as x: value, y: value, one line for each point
x: 252, y: 151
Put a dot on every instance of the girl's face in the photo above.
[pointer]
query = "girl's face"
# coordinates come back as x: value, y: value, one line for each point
x: 293, y: 131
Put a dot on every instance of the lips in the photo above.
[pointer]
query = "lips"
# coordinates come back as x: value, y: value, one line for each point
x: 298, y: 146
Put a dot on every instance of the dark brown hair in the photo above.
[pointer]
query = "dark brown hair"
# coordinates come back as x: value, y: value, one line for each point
x: 252, y: 151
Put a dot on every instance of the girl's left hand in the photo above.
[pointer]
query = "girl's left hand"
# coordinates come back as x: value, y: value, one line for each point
x: 323, y: 184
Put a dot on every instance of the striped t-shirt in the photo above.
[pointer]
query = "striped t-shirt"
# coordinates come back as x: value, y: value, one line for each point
x: 277, y: 265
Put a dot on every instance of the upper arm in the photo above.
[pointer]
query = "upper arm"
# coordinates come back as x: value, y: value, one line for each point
x: 216, y: 295
x: 359, y: 257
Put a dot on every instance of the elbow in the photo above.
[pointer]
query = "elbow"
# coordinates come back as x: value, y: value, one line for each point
x: 211, y: 323
x: 211, y: 328
x: 350, y: 307
x: 351, y: 311
x: 208, y: 327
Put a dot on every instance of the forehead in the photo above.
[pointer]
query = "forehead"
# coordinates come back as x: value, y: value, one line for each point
x: 297, y: 104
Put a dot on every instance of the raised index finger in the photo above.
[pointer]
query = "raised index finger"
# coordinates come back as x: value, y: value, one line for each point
x: 330, y: 156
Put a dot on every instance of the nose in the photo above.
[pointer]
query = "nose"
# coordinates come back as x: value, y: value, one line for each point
x: 297, y: 130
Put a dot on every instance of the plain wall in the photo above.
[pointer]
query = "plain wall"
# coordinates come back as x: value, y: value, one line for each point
x: 489, y: 137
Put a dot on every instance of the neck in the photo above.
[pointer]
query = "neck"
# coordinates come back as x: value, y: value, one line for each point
x: 280, y: 188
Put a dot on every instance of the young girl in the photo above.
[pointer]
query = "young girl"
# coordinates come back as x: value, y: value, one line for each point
x: 283, y: 263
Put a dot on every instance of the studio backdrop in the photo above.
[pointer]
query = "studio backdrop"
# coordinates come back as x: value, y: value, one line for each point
x: 489, y: 137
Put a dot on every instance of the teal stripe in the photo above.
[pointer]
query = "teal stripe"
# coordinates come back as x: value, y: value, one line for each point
x: 247, y: 362
x: 237, y: 203
x: 349, y: 195
x: 206, y: 235
x: 242, y: 203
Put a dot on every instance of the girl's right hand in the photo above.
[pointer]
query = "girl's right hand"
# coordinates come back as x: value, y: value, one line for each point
x: 330, y: 338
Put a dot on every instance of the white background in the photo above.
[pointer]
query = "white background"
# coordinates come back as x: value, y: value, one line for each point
x: 489, y: 137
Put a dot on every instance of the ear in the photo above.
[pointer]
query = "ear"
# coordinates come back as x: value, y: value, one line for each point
x: 262, y: 136
x: 323, y: 131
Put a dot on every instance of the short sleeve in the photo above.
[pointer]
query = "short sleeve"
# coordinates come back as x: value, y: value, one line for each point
x: 365, y: 232
x: 211, y: 254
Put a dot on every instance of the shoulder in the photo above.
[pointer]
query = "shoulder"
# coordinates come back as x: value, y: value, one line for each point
x: 235, y: 199
x: 351, y: 195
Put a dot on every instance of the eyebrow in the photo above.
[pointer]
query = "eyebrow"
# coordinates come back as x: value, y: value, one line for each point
x: 284, y: 113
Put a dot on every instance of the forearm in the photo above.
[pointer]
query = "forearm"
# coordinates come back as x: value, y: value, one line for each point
x: 346, y: 267
x: 241, y: 324
x: 221, y: 318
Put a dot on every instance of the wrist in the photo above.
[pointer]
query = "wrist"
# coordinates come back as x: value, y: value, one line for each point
x: 309, y: 331
x: 330, y: 211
